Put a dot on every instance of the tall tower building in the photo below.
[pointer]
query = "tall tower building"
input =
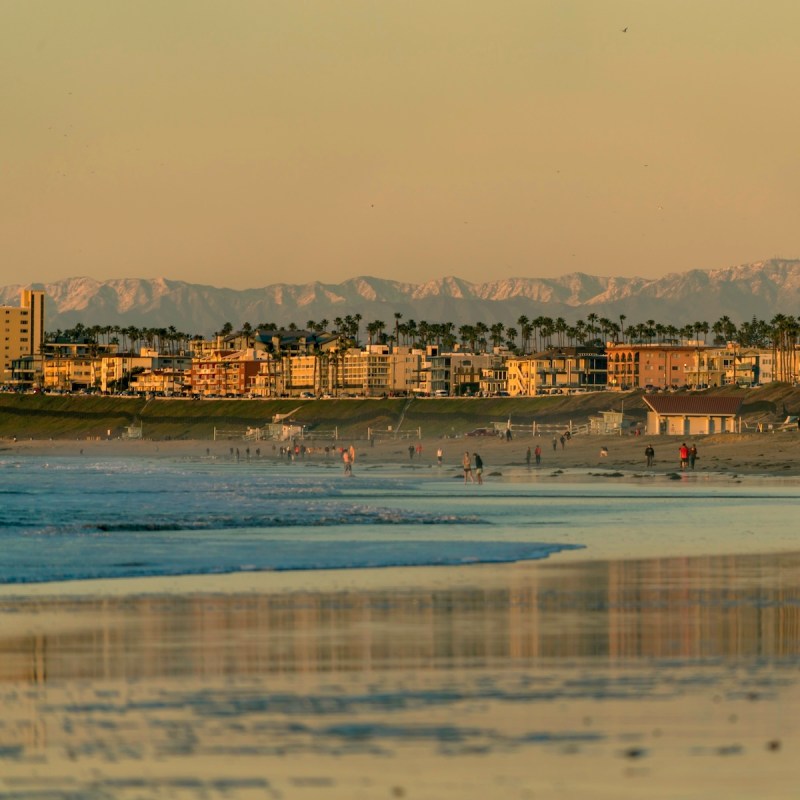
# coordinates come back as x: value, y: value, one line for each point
x: 21, y: 331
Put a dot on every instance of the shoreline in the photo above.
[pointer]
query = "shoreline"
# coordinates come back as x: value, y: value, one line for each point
x: 569, y: 466
x: 773, y: 454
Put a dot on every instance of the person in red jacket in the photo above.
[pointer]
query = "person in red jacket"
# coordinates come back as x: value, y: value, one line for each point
x: 684, y: 454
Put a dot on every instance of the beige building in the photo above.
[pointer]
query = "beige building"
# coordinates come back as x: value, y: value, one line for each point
x: 689, y: 415
x: 732, y: 364
x: 22, y: 336
x: 565, y: 369
x: 372, y: 372
x: 161, y: 381
x: 377, y: 371
x: 72, y: 365
x: 115, y: 370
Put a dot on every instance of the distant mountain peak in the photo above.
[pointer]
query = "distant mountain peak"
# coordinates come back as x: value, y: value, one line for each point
x: 763, y: 289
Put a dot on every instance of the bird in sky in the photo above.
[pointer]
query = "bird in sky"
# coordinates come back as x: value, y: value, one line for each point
x: 625, y: 29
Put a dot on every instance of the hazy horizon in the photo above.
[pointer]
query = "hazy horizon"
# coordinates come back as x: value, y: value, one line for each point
x: 253, y: 143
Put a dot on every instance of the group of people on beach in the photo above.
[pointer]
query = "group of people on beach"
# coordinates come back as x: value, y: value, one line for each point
x: 537, y: 454
x: 415, y: 450
x: 472, y: 463
x: 466, y: 463
x: 688, y: 455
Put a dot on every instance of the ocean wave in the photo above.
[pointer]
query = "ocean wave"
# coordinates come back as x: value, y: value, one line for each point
x: 275, y: 555
x: 304, y: 517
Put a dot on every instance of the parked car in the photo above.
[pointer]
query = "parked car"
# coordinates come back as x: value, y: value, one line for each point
x: 481, y: 432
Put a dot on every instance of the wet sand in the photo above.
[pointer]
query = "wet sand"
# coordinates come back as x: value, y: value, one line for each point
x: 638, y: 672
x: 673, y: 677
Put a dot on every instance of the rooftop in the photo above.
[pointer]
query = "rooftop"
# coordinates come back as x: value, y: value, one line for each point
x: 693, y: 404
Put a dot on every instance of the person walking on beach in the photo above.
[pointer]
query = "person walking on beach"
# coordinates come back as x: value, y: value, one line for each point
x: 528, y: 457
x: 683, y: 452
x: 478, y: 468
x: 650, y: 455
x: 466, y: 463
x: 439, y: 456
x: 538, y: 455
x: 348, y: 464
x: 411, y: 452
x: 555, y: 443
x: 692, y: 455
x: 563, y: 441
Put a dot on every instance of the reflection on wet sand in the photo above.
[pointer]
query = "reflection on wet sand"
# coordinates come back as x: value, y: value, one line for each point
x: 617, y: 679
x: 682, y: 608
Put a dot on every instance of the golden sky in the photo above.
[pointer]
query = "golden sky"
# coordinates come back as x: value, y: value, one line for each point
x: 248, y: 142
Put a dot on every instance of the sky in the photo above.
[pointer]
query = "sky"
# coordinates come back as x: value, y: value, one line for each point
x: 252, y: 142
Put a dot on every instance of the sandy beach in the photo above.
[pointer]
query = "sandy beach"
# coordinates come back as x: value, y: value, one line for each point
x: 635, y: 668
x: 772, y: 454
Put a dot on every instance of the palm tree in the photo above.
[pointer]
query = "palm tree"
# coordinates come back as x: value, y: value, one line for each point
x: 560, y: 327
x: 397, y: 317
x: 523, y: 322
x: 411, y: 332
x: 424, y: 333
x: 374, y: 330
x: 511, y: 338
x: 700, y: 327
x: 497, y: 334
x: 481, y: 329
x: 592, y: 318
x: 546, y: 331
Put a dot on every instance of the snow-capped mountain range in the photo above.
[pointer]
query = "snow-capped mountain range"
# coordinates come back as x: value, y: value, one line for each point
x: 762, y: 289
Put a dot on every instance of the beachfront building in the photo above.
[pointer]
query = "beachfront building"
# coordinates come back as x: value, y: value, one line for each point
x: 723, y: 366
x: 22, y: 329
x: 562, y: 370
x: 72, y: 364
x: 293, y: 342
x: 115, y: 371
x: 375, y: 371
x: 450, y: 373
x: 653, y: 366
x: 224, y: 373
x: 744, y: 366
x: 494, y: 379
x: 689, y: 415
x: 269, y: 381
x: 166, y: 382
x: 406, y: 365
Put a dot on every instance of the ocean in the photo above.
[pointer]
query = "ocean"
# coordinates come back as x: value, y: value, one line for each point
x: 73, y: 518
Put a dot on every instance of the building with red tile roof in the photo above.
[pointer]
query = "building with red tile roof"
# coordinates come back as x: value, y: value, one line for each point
x: 692, y: 414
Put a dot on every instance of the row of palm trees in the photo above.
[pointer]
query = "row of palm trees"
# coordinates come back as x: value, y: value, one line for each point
x: 781, y: 333
x: 542, y: 333
x: 163, y: 340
